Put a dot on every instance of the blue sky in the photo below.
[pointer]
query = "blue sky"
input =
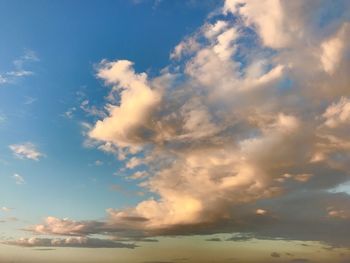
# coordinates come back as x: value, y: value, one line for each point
x: 219, y: 129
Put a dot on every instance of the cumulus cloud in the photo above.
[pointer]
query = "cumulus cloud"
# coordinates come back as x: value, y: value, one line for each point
x: 26, y: 151
x: 129, y: 122
x: 245, y: 131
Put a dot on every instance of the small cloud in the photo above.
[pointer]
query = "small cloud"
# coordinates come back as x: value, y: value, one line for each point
x: 133, y: 162
x: 19, y: 179
x: 26, y: 151
x: 275, y: 255
x: 261, y: 212
x: 5, y: 209
x: 303, y: 177
x: 19, y: 70
x: 91, y: 110
x: 240, y: 237
x: 139, y: 175
x: 2, y: 116
x: 30, y: 100
x: 9, y: 219
x: 214, y: 239
x: 98, y: 163
x: 300, y: 260
x: 69, y: 113
x: 340, y: 214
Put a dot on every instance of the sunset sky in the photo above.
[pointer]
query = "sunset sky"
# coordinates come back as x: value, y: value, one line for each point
x: 174, y: 131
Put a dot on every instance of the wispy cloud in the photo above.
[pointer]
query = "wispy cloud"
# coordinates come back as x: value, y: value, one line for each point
x: 18, y: 179
x: 69, y: 113
x: 3, y: 117
x: 29, y: 100
x: 26, y: 151
x: 77, y: 242
x: 5, y: 209
x: 19, y: 68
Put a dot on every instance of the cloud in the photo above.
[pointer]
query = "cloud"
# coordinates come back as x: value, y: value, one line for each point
x: 214, y: 239
x: 98, y: 163
x: 5, y: 209
x: 19, y: 70
x: 275, y: 255
x: 338, y: 113
x: 56, y: 226
x: 245, y: 132
x: 300, y: 260
x: 133, y: 162
x: 26, y: 151
x: 260, y: 211
x: 75, y: 242
x: 19, y: 179
x: 139, y: 175
x: 128, y: 122
x: 69, y: 113
x: 9, y: 219
x: 3, y: 117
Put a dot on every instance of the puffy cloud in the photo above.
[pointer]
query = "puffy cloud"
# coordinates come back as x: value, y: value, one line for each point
x: 26, y: 151
x: 245, y: 132
x: 128, y: 122
x: 133, y: 162
x: 139, y: 175
x: 260, y: 211
x: 268, y: 17
x: 338, y: 113
x: 333, y: 49
x: 56, y: 226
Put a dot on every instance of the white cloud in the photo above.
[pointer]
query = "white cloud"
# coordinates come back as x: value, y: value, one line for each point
x: 261, y: 211
x: 5, y: 209
x: 26, y: 151
x: 75, y: 242
x: 133, y: 162
x: 139, y: 175
x: 3, y: 118
x: 225, y: 134
x: 19, y: 70
x: 69, y: 113
x: 128, y: 122
x: 229, y: 125
x: 338, y: 113
x: 98, y: 163
x: 268, y: 17
x: 19, y: 179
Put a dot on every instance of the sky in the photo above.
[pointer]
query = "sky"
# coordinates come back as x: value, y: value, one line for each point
x: 174, y: 131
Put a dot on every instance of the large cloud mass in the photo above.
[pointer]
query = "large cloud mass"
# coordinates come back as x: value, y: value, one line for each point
x: 245, y: 131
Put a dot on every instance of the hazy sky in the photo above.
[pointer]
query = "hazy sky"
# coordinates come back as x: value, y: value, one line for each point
x: 174, y: 131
